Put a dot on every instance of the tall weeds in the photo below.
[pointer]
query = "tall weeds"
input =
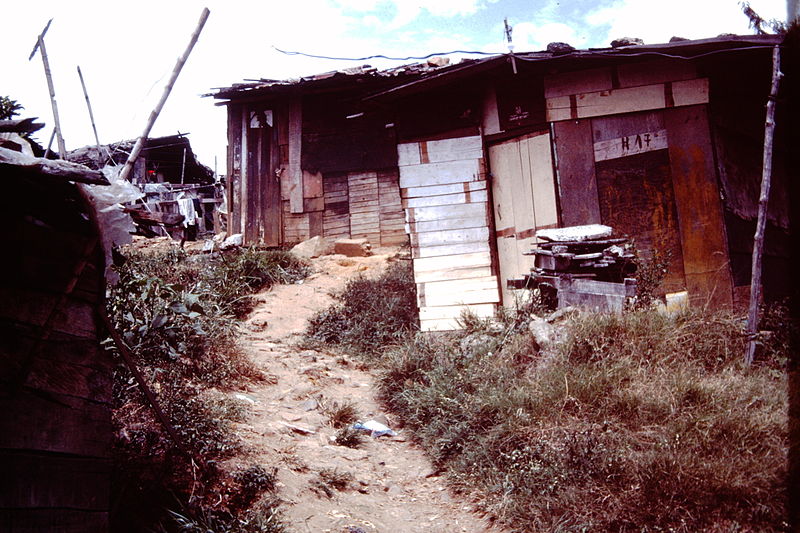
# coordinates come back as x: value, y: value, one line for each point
x: 633, y: 422
x: 638, y: 422
x: 177, y: 315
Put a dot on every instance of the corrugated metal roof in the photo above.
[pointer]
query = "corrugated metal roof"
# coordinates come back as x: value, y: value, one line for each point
x: 411, y: 78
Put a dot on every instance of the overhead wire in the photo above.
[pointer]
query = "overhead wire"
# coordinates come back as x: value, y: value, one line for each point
x: 518, y: 56
x: 381, y: 56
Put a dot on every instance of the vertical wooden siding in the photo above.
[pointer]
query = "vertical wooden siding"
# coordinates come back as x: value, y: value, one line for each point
x: 524, y: 200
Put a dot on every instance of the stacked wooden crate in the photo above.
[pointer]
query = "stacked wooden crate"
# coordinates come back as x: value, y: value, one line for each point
x: 443, y: 190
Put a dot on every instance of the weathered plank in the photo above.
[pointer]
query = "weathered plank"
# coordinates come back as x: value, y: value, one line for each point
x: 433, y: 264
x: 652, y: 72
x: 55, y: 423
x: 441, y: 238
x: 576, y: 177
x: 450, y: 249
x: 479, y: 196
x: 435, y: 190
x: 443, y: 212
x: 447, y: 224
x: 312, y: 184
x: 454, y: 311
x: 648, y: 141
x: 35, y: 480
x: 609, y: 102
x: 627, y: 100
x: 61, y: 520
x: 458, y: 292
x: 73, y: 317
x: 705, y: 251
x: 295, y: 139
x: 577, y: 82
x: 440, y: 173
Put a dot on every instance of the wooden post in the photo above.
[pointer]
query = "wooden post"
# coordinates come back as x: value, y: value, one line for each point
x: 183, y: 165
x: 47, y: 74
x: 91, y: 116
x: 763, y: 200
x: 137, y: 148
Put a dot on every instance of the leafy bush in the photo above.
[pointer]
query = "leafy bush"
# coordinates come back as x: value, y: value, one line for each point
x: 176, y: 314
x: 638, y: 422
x: 371, y: 314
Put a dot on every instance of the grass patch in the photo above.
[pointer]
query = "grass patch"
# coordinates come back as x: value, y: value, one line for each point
x: 638, y: 422
x: 370, y: 314
x: 340, y: 415
x: 633, y: 422
x: 177, y: 313
x: 330, y: 480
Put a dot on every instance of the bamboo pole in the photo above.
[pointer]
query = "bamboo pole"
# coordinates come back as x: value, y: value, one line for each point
x: 763, y: 200
x: 48, y: 75
x: 91, y: 116
x: 137, y: 148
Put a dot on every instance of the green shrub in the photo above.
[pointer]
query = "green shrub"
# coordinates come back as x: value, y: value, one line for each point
x: 177, y: 313
x: 639, y: 422
x: 371, y: 314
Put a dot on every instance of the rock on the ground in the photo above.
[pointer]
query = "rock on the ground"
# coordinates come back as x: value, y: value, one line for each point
x: 542, y: 331
x: 313, y: 247
x: 233, y: 241
x: 353, y: 247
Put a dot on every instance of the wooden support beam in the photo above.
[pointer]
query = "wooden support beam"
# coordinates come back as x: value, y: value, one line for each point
x: 91, y: 116
x: 137, y: 148
x: 763, y: 200
x: 295, y: 156
x: 62, y: 150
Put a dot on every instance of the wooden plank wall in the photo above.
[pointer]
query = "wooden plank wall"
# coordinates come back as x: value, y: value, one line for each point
x: 596, y: 136
x: 623, y: 89
x: 55, y: 378
x: 443, y: 190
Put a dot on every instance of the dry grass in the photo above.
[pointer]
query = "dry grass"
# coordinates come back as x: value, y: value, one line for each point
x: 372, y: 314
x: 638, y: 423
x: 177, y: 315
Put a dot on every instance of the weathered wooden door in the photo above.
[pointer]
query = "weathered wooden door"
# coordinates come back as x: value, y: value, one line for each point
x: 634, y: 186
x: 263, y: 195
x: 524, y: 200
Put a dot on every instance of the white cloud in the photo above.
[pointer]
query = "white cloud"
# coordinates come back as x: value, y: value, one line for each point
x: 656, y: 22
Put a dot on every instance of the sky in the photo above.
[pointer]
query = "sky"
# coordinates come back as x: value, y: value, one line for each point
x: 127, y: 50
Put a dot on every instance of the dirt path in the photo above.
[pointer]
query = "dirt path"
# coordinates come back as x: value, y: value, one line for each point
x: 393, y: 487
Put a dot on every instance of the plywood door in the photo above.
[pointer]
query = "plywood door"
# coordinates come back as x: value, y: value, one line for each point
x: 524, y: 200
x: 263, y: 220
x: 634, y: 186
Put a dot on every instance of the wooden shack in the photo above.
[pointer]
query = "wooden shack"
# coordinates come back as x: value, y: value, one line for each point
x: 55, y: 378
x: 661, y: 142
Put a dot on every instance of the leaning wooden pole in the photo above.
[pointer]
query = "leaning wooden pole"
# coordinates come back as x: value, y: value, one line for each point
x: 48, y: 75
x: 763, y: 200
x: 137, y: 148
x: 91, y: 115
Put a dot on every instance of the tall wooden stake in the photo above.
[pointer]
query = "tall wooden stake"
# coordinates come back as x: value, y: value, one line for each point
x: 137, y: 148
x: 91, y: 115
x: 40, y: 46
x: 763, y: 200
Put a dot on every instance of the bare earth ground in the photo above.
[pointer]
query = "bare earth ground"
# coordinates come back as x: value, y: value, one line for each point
x: 394, y: 487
